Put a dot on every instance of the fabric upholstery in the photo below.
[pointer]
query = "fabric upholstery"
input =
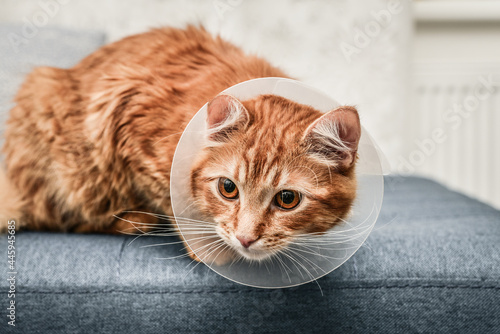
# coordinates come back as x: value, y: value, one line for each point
x: 433, y: 267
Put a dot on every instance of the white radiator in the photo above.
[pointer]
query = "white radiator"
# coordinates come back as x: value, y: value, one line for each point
x: 454, y: 128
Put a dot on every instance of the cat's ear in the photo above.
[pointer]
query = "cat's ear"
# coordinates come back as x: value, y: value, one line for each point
x: 225, y: 114
x: 334, y: 137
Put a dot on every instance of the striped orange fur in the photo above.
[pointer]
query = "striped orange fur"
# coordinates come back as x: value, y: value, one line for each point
x: 273, y: 146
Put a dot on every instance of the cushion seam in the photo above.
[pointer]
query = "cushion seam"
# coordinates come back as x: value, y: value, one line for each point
x: 406, y: 286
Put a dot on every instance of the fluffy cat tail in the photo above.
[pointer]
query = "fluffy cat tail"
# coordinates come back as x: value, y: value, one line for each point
x: 10, y: 202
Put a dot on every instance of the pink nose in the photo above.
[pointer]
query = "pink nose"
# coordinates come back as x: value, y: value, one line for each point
x: 246, y: 242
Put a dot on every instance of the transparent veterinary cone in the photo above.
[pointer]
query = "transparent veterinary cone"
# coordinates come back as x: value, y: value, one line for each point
x: 312, y: 256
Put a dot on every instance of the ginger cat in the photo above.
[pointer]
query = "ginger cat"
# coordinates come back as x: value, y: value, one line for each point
x: 85, y: 144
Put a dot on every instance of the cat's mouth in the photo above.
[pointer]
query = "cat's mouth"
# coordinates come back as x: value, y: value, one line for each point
x: 255, y: 252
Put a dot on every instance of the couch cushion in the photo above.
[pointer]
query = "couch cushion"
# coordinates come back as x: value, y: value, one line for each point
x: 434, y: 267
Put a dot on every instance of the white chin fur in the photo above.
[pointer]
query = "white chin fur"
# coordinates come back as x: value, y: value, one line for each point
x: 256, y: 255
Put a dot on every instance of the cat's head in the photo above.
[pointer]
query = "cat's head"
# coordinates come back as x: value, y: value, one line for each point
x: 274, y: 170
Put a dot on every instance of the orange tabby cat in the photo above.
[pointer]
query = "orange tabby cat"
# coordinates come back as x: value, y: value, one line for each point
x: 93, y: 141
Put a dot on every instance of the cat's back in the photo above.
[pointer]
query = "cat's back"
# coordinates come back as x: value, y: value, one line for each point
x: 189, y: 58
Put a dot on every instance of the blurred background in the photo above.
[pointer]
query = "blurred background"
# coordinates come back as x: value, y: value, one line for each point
x: 425, y: 75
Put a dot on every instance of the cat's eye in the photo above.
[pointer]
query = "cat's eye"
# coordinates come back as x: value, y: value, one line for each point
x: 227, y: 188
x: 287, y: 199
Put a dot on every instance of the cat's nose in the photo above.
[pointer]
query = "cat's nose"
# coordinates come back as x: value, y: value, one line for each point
x: 246, y: 242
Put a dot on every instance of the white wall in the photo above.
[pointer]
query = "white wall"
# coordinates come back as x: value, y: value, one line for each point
x: 457, y: 51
